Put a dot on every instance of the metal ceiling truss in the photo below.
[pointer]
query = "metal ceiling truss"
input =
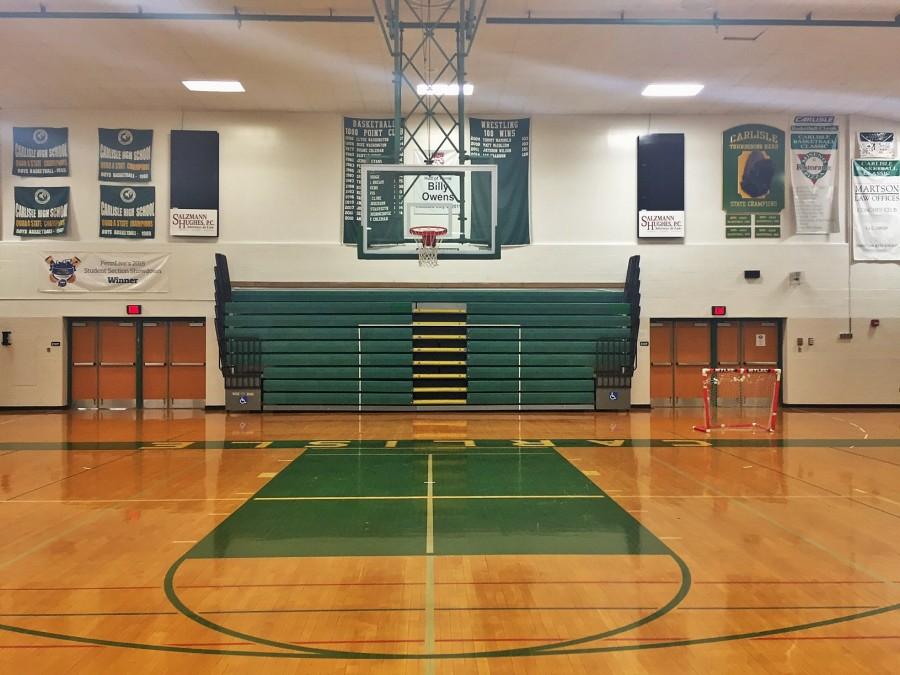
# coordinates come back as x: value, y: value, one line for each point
x: 715, y: 21
x: 429, y: 41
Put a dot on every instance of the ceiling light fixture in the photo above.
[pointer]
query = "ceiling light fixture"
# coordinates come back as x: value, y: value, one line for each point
x: 423, y: 89
x: 672, y: 89
x: 224, y: 86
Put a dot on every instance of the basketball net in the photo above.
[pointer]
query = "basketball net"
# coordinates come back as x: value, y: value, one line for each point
x: 428, y: 237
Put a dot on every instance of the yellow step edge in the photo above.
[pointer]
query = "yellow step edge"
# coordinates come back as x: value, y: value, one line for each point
x: 439, y: 363
x: 439, y: 376
x: 439, y: 337
x: 439, y: 401
x: 439, y: 349
x: 437, y: 310
x: 441, y: 389
x: 439, y: 323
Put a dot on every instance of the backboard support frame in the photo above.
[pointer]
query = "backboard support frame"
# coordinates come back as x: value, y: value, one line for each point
x: 451, y: 248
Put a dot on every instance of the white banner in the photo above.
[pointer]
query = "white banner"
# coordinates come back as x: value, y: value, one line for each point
x: 660, y: 224
x: 876, y: 209
x: 194, y: 222
x: 876, y: 145
x: 104, y: 273
x: 814, y: 162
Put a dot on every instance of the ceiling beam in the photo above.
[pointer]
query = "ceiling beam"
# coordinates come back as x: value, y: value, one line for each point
x: 235, y: 16
x: 715, y: 22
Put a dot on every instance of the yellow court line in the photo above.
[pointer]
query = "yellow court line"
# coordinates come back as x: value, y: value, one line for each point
x: 390, y: 497
x: 435, y: 390
x: 439, y: 363
x: 439, y: 323
x: 455, y: 350
x: 439, y: 376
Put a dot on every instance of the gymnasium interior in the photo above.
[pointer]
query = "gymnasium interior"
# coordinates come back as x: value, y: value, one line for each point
x: 449, y: 336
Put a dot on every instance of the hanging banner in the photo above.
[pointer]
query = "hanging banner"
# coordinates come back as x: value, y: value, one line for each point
x: 814, y: 162
x: 366, y: 141
x: 41, y: 211
x: 506, y: 143
x: 104, y: 273
x: 876, y: 145
x: 876, y: 209
x: 753, y: 169
x: 40, y: 151
x: 125, y: 155
x: 127, y: 212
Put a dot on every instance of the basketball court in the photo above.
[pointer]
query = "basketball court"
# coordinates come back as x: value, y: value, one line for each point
x: 428, y: 543
x: 449, y: 337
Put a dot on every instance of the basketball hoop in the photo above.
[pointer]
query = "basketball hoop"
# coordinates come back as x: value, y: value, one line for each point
x: 429, y: 237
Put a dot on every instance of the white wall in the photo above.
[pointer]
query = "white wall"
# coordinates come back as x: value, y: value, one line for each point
x: 280, y: 220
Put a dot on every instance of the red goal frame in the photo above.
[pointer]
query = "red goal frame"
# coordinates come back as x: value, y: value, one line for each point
x: 708, y: 374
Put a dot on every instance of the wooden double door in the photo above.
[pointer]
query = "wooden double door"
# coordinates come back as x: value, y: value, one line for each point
x: 681, y: 348
x: 146, y: 363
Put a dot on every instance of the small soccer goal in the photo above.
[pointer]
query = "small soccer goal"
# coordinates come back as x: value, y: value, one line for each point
x: 740, y: 398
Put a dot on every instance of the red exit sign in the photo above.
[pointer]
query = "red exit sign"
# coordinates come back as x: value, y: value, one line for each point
x: 719, y: 310
x: 132, y: 309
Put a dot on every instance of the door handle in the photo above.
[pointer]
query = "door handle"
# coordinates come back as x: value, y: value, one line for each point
x: 154, y: 363
x: 116, y: 363
x: 729, y: 363
x: 665, y: 363
x: 84, y: 363
x: 187, y: 364
x: 699, y: 363
x: 762, y: 363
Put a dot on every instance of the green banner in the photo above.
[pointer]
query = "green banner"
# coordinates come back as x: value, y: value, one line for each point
x: 753, y: 169
x: 506, y: 143
x: 367, y: 141
x: 767, y: 226
x: 127, y: 212
x: 738, y: 226
x: 41, y: 211
x: 40, y: 151
x: 125, y: 155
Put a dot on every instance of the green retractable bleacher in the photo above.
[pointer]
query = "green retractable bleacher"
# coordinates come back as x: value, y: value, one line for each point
x: 359, y: 348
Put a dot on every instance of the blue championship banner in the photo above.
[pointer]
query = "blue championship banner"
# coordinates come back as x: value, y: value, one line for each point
x: 127, y: 212
x: 125, y: 155
x: 40, y: 151
x: 41, y: 211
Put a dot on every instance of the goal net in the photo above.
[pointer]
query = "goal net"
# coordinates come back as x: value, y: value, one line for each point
x: 740, y: 398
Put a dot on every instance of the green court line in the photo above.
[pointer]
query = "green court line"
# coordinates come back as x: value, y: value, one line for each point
x: 172, y: 595
x: 526, y: 652
x: 343, y: 498
x: 436, y: 446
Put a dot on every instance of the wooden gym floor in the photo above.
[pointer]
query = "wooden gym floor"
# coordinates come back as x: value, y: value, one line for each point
x: 493, y: 543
